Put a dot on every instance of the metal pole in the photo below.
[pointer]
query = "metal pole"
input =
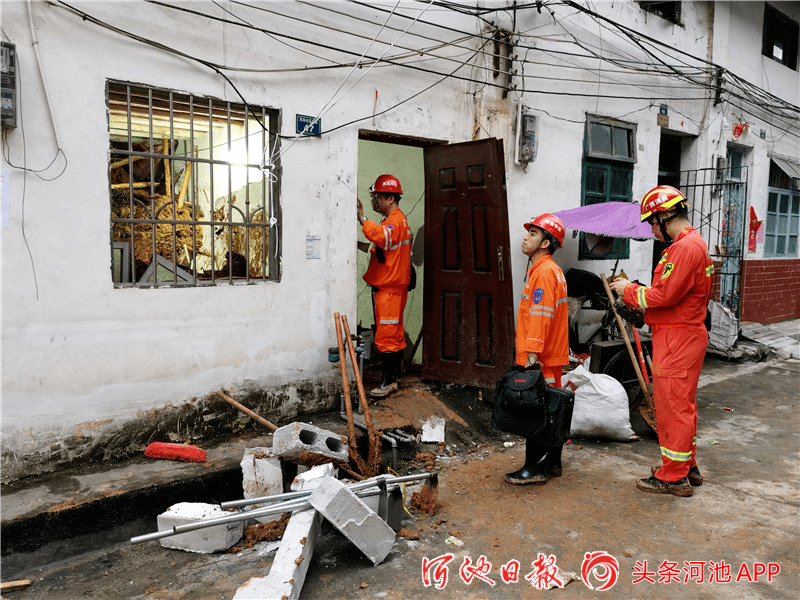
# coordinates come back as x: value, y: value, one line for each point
x: 367, y: 483
x: 361, y: 489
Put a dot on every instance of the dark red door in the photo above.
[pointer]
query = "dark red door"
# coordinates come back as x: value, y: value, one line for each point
x: 468, y: 308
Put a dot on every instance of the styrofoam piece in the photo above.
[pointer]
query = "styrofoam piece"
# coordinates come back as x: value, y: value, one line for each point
x: 288, y: 571
x: 354, y: 519
x: 290, y: 441
x: 203, y: 541
x: 308, y: 480
x: 433, y: 430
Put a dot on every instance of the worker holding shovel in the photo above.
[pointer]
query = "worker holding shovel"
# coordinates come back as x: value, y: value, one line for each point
x: 542, y: 333
x: 675, y: 308
x: 389, y: 274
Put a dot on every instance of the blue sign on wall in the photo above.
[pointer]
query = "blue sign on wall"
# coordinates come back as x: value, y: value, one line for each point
x: 307, y: 126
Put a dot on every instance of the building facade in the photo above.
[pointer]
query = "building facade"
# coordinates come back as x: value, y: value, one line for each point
x: 179, y: 182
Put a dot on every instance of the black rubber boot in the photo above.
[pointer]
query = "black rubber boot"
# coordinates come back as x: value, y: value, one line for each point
x: 553, y: 461
x: 534, y: 469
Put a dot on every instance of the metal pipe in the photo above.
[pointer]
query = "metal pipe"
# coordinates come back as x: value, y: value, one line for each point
x: 281, y: 507
x: 361, y: 485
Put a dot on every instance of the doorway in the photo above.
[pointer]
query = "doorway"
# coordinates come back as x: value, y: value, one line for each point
x: 459, y: 320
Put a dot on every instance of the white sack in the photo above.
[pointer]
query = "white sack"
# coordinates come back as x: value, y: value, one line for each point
x: 601, y: 406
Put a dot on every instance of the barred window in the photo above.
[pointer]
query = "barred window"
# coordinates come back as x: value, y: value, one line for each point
x: 191, y: 200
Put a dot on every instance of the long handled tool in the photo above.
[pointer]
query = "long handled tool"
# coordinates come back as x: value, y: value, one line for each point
x: 373, y: 435
x: 247, y: 411
x: 647, y: 411
x: 355, y: 457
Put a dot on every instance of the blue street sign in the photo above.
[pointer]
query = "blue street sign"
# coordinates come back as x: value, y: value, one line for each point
x: 307, y: 126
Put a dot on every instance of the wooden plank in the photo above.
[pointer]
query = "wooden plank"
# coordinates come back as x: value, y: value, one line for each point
x: 18, y: 584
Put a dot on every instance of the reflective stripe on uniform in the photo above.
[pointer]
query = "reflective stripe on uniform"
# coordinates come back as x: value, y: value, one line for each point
x: 641, y: 296
x: 675, y: 455
x: 389, y: 321
x: 542, y: 310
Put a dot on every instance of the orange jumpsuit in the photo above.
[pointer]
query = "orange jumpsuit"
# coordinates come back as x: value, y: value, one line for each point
x: 675, y: 308
x: 543, y: 319
x: 389, y: 277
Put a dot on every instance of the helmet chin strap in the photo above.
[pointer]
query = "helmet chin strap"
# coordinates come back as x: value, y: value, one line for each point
x: 662, y: 225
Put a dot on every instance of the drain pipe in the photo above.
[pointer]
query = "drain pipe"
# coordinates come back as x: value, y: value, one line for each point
x: 384, y: 435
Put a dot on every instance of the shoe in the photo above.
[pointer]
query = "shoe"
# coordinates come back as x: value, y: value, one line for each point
x: 384, y: 390
x: 554, y: 470
x: 654, y: 485
x: 525, y: 476
x: 694, y: 476
x: 553, y: 462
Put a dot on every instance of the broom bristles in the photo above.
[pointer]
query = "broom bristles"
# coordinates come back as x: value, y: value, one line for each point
x: 183, y: 452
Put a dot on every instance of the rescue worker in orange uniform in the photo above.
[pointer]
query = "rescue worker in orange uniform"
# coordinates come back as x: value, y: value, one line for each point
x: 542, y: 333
x: 675, y: 308
x: 389, y: 274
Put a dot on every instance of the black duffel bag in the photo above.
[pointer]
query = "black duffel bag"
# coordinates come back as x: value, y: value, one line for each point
x: 526, y: 406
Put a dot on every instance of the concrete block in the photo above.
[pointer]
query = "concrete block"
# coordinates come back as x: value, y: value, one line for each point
x: 261, y: 473
x: 288, y: 571
x: 354, y: 519
x: 203, y: 541
x: 293, y: 440
x: 309, y: 479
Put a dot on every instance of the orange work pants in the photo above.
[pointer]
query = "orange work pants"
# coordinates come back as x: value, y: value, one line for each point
x: 552, y: 375
x: 389, y: 331
x: 678, y: 354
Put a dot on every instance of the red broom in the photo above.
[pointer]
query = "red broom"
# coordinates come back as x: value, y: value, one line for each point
x: 183, y: 452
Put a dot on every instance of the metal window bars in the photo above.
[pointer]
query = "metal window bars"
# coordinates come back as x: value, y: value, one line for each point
x: 190, y: 204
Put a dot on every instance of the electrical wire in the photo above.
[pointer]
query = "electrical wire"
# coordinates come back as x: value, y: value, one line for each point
x: 672, y: 71
x: 25, y: 170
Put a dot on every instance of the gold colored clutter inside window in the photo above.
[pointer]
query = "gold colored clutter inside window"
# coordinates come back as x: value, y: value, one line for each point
x: 192, y: 185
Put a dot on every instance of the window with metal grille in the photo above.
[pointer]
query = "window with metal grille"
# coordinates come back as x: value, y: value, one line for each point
x: 779, y: 41
x: 783, y: 216
x: 192, y: 202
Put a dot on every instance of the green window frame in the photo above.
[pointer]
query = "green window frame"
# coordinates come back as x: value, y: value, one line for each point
x: 604, y: 182
x: 783, y: 222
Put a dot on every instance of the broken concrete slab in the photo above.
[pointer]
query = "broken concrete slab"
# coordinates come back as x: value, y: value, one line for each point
x: 289, y: 568
x: 308, y: 480
x: 354, y: 519
x: 203, y: 541
x: 261, y: 473
x: 292, y: 441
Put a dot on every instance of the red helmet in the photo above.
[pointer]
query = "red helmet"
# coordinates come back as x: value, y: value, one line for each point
x: 549, y: 223
x: 660, y: 199
x: 387, y: 183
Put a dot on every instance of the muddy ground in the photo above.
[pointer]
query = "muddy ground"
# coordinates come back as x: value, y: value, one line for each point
x: 744, y: 516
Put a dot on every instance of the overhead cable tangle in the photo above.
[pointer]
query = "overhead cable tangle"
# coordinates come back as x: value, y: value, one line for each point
x: 329, y: 104
x: 389, y: 61
x: 327, y: 7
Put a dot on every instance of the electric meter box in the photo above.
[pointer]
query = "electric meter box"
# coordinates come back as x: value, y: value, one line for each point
x: 526, y: 136
x: 8, y: 86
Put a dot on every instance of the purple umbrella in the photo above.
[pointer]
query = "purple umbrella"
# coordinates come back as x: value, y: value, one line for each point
x: 612, y: 219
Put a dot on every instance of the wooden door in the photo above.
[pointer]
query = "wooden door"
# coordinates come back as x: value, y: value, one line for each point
x: 468, y: 308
